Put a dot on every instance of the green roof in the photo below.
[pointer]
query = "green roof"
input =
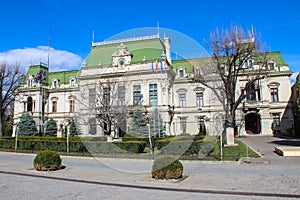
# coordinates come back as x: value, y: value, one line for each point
x: 150, y: 48
x: 278, y: 58
x: 189, y: 63
x: 62, y: 76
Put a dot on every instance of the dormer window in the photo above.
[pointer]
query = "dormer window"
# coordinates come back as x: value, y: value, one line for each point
x: 248, y: 64
x: 121, y: 56
x: 72, y: 81
x: 271, y: 65
x: 197, y: 71
x: 54, y: 83
x: 181, y: 72
x: 30, y: 81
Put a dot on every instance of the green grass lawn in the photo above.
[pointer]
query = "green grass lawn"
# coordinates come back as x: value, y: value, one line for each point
x: 230, y: 153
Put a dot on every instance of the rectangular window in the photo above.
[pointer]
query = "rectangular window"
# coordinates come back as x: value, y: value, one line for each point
x: 136, y: 95
x: 182, y: 100
x: 181, y: 73
x: 54, y: 84
x: 153, y: 94
x: 183, y: 123
x: 197, y: 72
x: 200, y: 121
x: 92, y: 98
x: 199, y: 99
x: 271, y: 66
x: 276, y: 119
x: 121, y: 95
x: 54, y: 106
x: 72, y: 105
x: 72, y: 82
x: 106, y: 97
x: 274, y: 95
x: 250, y: 63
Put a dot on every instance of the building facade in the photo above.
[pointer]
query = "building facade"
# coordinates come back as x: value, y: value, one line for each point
x: 122, y: 76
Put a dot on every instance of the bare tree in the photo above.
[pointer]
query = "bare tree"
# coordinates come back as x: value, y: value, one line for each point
x: 9, y: 82
x: 110, y: 106
x: 235, y: 54
x: 102, y: 105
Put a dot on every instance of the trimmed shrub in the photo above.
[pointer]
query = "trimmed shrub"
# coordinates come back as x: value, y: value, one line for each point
x: 47, y: 161
x: 167, y: 167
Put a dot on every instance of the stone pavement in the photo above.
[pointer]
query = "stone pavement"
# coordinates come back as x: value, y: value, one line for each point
x: 278, y: 177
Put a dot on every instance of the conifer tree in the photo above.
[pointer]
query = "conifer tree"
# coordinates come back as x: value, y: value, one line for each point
x: 73, y: 131
x: 139, y: 123
x: 27, y: 126
x: 50, y: 128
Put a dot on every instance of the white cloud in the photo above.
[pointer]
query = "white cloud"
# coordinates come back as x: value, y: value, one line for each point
x: 59, y: 59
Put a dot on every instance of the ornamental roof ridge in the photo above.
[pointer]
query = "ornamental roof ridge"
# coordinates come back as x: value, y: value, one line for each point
x: 125, y: 40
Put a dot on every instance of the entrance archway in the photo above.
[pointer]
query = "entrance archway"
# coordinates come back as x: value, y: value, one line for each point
x: 252, y: 123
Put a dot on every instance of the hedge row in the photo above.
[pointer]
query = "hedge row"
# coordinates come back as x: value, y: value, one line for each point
x: 77, y: 146
x: 186, y: 147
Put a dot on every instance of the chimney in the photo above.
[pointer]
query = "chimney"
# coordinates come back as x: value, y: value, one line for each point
x: 168, y: 51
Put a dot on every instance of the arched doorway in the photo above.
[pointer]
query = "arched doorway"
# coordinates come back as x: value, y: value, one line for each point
x: 252, y: 123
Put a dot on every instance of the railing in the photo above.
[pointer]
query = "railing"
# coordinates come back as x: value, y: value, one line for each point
x: 125, y: 40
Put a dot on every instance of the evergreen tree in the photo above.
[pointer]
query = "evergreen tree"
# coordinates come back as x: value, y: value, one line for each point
x: 27, y: 126
x: 50, y: 128
x: 139, y: 123
x: 73, y: 131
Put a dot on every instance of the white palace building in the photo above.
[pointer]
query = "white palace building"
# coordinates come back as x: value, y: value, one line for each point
x: 121, y: 76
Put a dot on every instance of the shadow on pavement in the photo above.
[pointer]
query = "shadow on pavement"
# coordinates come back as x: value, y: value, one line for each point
x: 286, y: 143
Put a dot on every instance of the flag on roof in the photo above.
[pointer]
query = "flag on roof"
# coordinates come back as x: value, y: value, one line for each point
x: 161, y: 67
x: 156, y: 66
x: 152, y: 67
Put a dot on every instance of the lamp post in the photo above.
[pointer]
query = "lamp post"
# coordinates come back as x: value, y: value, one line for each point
x: 147, y: 117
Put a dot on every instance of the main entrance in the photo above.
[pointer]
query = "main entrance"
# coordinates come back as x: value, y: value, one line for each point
x: 252, y: 123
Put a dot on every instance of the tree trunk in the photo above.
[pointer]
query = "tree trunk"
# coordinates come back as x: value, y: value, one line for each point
x: 1, y: 129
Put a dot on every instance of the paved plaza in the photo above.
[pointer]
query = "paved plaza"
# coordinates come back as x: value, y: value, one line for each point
x: 269, y: 177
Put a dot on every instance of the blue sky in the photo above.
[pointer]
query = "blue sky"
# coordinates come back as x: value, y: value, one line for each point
x: 26, y: 25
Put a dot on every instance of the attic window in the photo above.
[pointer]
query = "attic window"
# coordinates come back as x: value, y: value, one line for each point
x: 54, y: 83
x: 72, y: 81
x: 271, y: 64
x: 248, y: 64
x: 181, y: 72
x: 30, y: 81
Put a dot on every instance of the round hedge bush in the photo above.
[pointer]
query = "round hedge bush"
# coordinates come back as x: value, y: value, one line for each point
x: 167, y: 167
x: 47, y: 161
